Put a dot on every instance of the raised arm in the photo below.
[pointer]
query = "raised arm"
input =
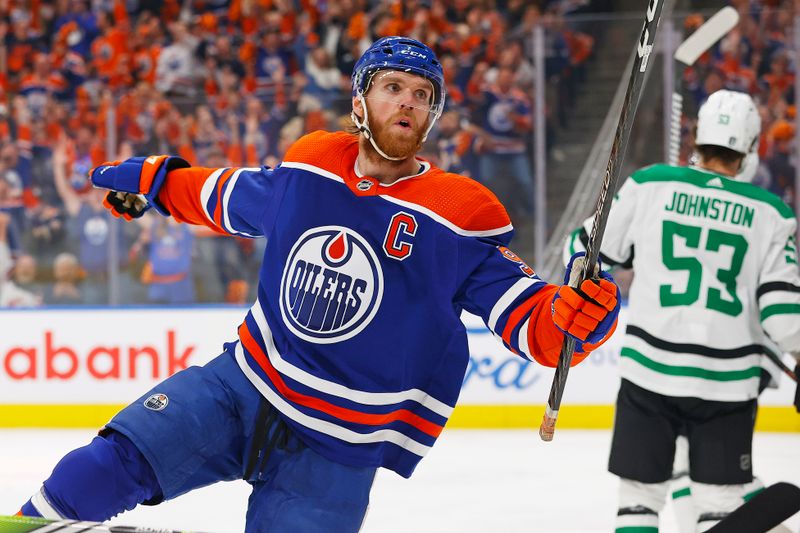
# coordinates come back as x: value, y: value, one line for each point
x: 72, y: 203
x: 235, y: 201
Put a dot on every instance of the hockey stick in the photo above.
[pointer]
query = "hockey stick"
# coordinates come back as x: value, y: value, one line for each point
x: 631, y: 101
x: 25, y: 524
x: 686, y: 54
x: 775, y: 357
x: 763, y: 512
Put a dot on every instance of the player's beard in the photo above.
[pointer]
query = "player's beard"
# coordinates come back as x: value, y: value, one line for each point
x: 393, y: 145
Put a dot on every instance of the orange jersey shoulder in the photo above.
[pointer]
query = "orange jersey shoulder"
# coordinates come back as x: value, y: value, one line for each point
x: 458, y: 199
x: 333, y: 152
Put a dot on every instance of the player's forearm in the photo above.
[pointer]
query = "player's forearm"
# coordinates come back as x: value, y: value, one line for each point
x: 181, y: 195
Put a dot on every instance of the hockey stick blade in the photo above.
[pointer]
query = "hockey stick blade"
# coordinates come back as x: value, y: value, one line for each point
x: 687, y: 53
x: 644, y: 47
x: 706, y: 35
x: 766, y: 510
x: 25, y: 524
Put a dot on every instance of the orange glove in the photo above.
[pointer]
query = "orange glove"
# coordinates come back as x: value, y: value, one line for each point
x: 588, y: 313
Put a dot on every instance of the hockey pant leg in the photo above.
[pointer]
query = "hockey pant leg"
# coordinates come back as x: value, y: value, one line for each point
x: 639, y: 505
x: 300, y: 490
x: 96, y: 482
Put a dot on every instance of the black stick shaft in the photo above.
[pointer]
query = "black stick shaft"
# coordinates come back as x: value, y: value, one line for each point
x: 618, y: 147
x: 775, y: 357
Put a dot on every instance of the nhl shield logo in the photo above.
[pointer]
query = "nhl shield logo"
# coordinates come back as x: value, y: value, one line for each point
x: 332, y: 285
x: 364, y: 185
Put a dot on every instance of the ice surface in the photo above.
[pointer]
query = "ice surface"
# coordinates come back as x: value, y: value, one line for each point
x: 471, y: 482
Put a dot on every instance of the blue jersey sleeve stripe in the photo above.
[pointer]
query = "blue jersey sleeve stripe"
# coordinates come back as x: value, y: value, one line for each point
x: 507, y: 300
x: 226, y: 198
x: 208, y: 194
x: 522, y: 340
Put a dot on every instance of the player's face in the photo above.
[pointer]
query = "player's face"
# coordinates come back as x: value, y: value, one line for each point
x: 399, y: 107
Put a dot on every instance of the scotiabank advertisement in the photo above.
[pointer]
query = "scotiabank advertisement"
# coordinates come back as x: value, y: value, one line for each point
x: 113, y: 356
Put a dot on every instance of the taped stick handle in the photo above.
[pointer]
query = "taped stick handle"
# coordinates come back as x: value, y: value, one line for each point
x: 548, y: 426
x: 675, y: 128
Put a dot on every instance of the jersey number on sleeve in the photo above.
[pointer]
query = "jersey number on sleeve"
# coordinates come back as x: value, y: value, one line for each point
x: 715, y: 241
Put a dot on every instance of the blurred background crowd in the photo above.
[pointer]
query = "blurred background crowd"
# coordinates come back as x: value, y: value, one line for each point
x: 757, y: 57
x: 235, y: 82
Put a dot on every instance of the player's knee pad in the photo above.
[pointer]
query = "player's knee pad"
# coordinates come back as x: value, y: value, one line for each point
x: 100, y: 480
x: 751, y: 489
x: 640, y: 503
x: 715, y: 502
x: 635, y: 493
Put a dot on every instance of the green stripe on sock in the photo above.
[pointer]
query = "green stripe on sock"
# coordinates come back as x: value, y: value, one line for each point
x: 749, y: 496
x: 681, y: 493
x: 637, y: 529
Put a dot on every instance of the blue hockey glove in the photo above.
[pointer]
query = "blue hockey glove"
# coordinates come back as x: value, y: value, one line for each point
x: 134, y: 183
x: 587, y: 313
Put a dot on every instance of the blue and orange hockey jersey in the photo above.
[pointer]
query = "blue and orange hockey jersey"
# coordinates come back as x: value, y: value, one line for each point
x: 356, y: 335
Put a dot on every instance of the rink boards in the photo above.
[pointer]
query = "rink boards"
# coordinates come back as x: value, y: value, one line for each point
x: 77, y: 367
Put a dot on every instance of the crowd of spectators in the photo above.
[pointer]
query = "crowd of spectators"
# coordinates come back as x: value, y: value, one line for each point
x: 235, y: 82
x: 755, y: 57
x: 230, y: 83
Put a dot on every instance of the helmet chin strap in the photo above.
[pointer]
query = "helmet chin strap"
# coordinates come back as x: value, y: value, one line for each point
x: 363, y: 127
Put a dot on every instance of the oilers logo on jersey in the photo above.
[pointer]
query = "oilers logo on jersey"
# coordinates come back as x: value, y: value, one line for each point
x: 332, y: 285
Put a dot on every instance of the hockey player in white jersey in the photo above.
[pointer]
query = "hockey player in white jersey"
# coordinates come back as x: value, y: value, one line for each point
x: 716, y: 275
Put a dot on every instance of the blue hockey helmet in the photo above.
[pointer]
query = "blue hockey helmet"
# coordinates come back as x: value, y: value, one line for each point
x: 406, y: 55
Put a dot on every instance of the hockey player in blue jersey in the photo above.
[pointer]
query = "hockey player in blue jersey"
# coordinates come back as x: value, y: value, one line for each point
x: 353, y: 354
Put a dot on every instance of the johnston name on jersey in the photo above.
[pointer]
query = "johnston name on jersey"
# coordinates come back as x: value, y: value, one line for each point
x: 356, y: 335
x: 715, y: 270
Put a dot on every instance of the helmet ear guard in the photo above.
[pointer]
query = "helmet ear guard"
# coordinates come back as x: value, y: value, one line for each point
x: 749, y: 167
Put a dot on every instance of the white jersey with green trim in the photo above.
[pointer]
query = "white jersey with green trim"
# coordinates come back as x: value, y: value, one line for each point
x: 715, y: 270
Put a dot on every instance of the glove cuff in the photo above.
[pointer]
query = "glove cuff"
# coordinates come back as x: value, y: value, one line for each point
x: 168, y: 164
x: 138, y: 175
